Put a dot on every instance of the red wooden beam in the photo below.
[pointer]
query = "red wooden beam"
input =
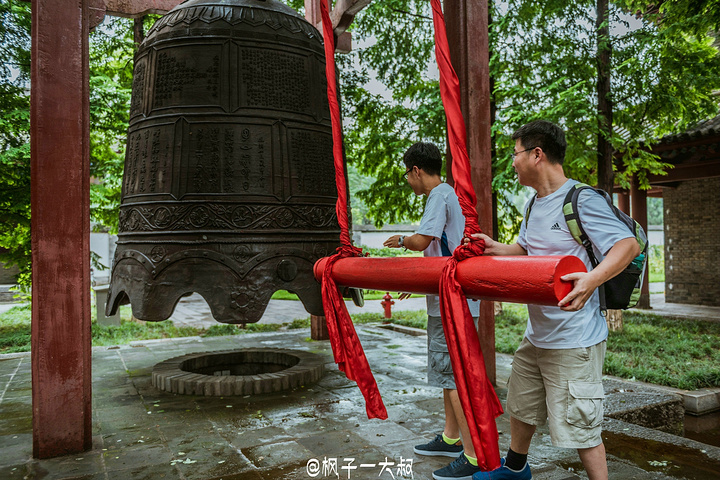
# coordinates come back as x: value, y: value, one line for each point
x: 683, y: 172
x: 343, y: 14
x: 60, y: 201
x: 517, y: 279
x: 139, y: 8
x: 341, y: 17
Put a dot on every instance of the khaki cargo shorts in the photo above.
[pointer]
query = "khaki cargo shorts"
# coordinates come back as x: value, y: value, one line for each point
x: 563, y: 387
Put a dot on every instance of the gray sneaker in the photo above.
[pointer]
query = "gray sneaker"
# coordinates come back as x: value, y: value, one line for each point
x: 459, y: 469
x: 438, y: 447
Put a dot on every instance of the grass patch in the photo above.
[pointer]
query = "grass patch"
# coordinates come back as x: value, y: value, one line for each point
x: 656, y: 263
x: 661, y: 350
x: 15, y: 330
x: 656, y: 277
x: 667, y: 351
x: 408, y: 318
x: 510, y: 327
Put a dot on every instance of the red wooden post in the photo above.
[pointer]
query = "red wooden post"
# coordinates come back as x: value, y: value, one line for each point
x: 318, y: 324
x: 467, y: 28
x: 624, y: 201
x: 61, y: 380
x: 639, y: 213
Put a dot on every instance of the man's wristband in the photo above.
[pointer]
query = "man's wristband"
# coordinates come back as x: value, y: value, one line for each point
x: 401, y: 241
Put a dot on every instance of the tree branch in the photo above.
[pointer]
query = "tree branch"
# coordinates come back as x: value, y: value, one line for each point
x: 405, y: 12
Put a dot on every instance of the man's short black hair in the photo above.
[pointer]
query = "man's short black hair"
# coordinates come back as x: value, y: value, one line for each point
x: 425, y: 156
x: 546, y: 135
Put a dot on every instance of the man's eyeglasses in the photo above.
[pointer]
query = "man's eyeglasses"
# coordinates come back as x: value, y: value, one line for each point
x: 405, y: 175
x: 515, y: 154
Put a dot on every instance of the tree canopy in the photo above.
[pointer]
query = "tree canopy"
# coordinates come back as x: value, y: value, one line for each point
x: 544, y: 64
x: 663, y: 70
x: 15, y: 136
x: 111, y: 53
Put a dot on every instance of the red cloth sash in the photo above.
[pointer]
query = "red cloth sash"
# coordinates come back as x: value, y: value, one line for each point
x: 347, y: 350
x: 477, y: 396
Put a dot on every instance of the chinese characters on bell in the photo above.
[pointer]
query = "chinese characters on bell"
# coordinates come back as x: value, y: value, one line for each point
x: 349, y: 468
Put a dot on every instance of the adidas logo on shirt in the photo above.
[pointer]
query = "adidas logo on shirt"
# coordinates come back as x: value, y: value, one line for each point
x: 555, y: 227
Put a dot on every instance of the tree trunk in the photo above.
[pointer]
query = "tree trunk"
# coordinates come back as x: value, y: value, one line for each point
x: 605, y: 108
x: 605, y: 175
x: 614, y: 320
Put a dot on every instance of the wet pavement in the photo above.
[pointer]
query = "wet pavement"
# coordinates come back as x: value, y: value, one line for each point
x: 140, y: 432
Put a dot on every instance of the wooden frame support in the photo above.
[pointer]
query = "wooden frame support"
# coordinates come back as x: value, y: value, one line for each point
x: 60, y: 201
x: 467, y: 29
x: 638, y: 199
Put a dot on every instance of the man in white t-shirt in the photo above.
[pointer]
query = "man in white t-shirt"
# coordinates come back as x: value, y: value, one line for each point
x: 557, y: 370
x: 440, y: 232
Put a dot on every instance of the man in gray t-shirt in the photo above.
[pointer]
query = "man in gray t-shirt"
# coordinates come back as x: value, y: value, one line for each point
x: 557, y: 370
x: 440, y: 232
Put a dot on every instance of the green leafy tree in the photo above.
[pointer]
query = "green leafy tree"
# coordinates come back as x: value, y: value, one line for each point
x: 397, y: 56
x: 545, y: 63
x: 655, y: 211
x: 14, y: 136
x: 548, y: 65
x: 111, y: 52
x: 111, y: 68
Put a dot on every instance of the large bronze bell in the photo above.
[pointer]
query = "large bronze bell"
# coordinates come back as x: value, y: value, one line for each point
x: 228, y: 188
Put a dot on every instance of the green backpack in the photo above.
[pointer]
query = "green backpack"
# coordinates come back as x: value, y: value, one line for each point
x: 622, y: 291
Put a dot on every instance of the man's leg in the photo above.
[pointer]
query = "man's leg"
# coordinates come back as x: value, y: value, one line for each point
x: 521, y: 434
x: 440, y: 375
x: 595, y: 462
x: 454, y: 411
x: 452, y: 429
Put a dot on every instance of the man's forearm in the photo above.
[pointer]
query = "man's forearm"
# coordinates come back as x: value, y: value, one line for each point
x: 617, y: 259
x: 417, y: 242
x: 502, y: 249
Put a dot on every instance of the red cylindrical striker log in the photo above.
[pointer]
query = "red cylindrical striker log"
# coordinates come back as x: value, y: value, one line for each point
x: 516, y: 279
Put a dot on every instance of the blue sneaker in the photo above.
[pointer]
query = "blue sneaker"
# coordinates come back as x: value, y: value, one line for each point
x: 504, y: 473
x: 459, y: 469
x: 438, y: 447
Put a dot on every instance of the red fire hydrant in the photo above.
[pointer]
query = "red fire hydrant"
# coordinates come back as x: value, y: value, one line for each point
x: 387, y: 303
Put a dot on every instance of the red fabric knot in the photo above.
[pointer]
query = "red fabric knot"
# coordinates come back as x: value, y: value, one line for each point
x: 474, y: 248
x: 347, y: 349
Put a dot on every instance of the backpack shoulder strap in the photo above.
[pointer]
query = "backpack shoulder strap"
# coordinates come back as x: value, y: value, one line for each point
x: 529, y: 207
x: 572, y: 219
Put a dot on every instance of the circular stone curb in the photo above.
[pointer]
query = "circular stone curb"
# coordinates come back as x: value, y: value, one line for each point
x: 173, y: 376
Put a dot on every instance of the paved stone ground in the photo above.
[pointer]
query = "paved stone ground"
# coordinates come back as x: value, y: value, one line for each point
x: 142, y: 433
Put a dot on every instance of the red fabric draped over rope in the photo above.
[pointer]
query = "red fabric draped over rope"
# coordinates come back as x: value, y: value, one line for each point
x: 347, y: 350
x: 477, y: 396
